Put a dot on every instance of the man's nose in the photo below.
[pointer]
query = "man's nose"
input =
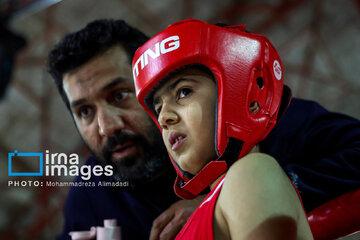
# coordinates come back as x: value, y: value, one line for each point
x: 167, y: 118
x: 110, y: 120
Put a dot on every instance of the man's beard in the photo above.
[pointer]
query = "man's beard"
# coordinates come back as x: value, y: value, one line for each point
x: 150, y: 161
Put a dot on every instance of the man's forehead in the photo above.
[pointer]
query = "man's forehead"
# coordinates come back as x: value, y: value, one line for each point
x: 82, y: 88
x: 100, y: 73
x: 114, y: 59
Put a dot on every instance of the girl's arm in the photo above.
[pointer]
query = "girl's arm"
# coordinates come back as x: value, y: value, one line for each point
x: 258, y: 201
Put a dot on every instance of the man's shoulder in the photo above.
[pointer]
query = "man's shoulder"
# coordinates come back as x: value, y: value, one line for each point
x: 297, y: 117
x: 303, y: 102
x: 302, y: 109
x: 307, y: 113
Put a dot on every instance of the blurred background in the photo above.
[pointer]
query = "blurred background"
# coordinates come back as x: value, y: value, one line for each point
x: 318, y: 41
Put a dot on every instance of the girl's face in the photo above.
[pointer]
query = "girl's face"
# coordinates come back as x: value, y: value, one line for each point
x: 185, y: 105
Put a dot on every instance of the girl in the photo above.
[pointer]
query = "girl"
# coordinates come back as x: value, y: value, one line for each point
x: 215, y: 93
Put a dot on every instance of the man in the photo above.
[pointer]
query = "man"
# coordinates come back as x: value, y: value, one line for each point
x: 95, y: 80
x: 93, y: 74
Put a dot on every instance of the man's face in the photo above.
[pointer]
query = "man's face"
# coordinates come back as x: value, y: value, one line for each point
x: 109, y: 118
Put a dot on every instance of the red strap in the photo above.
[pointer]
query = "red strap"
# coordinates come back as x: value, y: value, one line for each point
x: 201, y: 180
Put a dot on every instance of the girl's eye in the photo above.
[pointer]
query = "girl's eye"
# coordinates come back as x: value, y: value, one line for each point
x: 184, y: 92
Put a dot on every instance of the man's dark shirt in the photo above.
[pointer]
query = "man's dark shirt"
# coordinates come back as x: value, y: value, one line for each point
x: 134, y: 209
x: 319, y: 150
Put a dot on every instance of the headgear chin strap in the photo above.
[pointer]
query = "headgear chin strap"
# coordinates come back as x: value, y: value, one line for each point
x: 249, y: 77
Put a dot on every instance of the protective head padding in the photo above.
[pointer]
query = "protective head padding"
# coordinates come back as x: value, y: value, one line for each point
x: 247, y: 70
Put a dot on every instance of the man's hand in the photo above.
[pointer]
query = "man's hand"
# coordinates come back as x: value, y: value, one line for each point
x: 170, y: 222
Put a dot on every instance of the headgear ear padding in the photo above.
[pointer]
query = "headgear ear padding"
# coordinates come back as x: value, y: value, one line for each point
x: 247, y: 70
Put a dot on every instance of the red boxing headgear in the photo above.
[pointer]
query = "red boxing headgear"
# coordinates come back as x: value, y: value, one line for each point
x: 249, y: 78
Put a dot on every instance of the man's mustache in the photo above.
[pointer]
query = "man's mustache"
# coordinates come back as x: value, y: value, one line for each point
x: 120, y: 138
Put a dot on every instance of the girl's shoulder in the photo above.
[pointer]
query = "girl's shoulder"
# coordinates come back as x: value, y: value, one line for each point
x: 257, y: 181
x: 256, y: 190
x: 254, y: 166
x: 255, y: 174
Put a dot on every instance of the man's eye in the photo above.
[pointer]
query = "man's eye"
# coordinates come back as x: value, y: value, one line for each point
x: 121, y: 95
x: 84, y: 112
x: 184, y: 92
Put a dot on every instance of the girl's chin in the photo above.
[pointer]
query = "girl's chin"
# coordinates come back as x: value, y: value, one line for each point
x: 188, y: 168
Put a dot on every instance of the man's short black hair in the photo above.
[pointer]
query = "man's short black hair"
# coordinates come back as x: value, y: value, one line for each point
x: 76, y: 48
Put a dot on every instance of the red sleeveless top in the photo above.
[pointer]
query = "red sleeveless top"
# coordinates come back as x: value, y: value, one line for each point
x: 200, y: 224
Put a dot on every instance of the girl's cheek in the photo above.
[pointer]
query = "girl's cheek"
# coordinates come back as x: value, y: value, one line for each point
x: 164, y: 137
x: 194, y: 114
